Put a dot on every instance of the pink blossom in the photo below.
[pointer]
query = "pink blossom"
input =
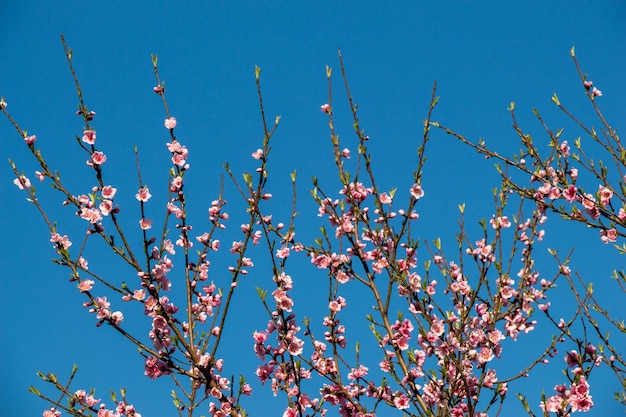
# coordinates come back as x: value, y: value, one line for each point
x: 564, y: 148
x: 170, y: 123
x: 108, y: 192
x: 145, y: 224
x: 401, y: 402
x: 177, y: 183
x: 325, y: 108
x: 357, y: 373
x: 588, y: 84
x: 573, y: 173
x: 155, y: 368
x: 596, y: 92
x: 385, y: 198
x: 544, y: 189
x: 30, y: 140
x: 282, y: 253
x: 159, y: 89
x: 143, y: 194
x: 485, y: 355
x: 608, y: 235
x: 570, y: 194
x: 554, y: 193
x: 3, y: 104
x: 571, y: 358
x: 22, y: 182
x: 605, y: 195
x: 283, y: 301
x: 117, y: 318
x: 52, y: 412
x: 500, y: 222
x: 82, y: 262
x: 92, y: 215
x: 257, y: 154
x: 345, y: 153
x: 106, y: 206
x: 183, y: 242
x: 86, y: 285
x: 63, y: 241
x: 416, y: 191
x: 89, y: 137
x: 97, y: 158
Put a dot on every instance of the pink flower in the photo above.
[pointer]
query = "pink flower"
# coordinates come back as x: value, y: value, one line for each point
x: 159, y: 89
x: 570, y: 194
x: 117, y: 318
x: 63, y: 241
x: 571, y: 358
x: 3, y: 105
x: 40, y: 176
x: 108, y: 192
x: 485, y: 355
x: 500, y: 222
x: 86, y: 285
x: 605, y: 195
x: 401, y: 402
x: 51, y: 412
x: 608, y: 235
x: 564, y: 149
x: 416, y: 191
x: 30, y: 140
x: 257, y: 154
x: 170, y: 123
x: 97, y: 158
x: 106, y: 206
x: 325, y: 108
x: 596, y: 92
x: 89, y: 137
x: 385, y: 198
x: 143, y: 194
x: 155, y: 368
x: 145, y: 224
x: 92, y: 215
x: 22, y: 182
x: 282, y: 253
x: 346, y: 153
x: 588, y: 84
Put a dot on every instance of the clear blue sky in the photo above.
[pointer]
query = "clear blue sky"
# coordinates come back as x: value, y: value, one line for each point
x: 483, y: 55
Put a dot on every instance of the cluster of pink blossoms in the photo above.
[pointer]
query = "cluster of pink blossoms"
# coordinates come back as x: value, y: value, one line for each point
x: 555, y: 187
x: 83, y: 402
x: 576, y: 398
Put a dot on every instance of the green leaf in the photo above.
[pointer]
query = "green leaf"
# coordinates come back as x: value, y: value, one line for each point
x: 329, y: 71
x: 572, y: 52
x: 257, y: 72
x: 247, y: 178
x: 555, y: 99
x: 262, y: 293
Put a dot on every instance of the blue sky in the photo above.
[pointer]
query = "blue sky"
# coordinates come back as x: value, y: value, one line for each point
x: 482, y: 54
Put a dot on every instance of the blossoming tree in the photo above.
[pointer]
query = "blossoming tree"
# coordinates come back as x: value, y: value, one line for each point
x: 441, y: 316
